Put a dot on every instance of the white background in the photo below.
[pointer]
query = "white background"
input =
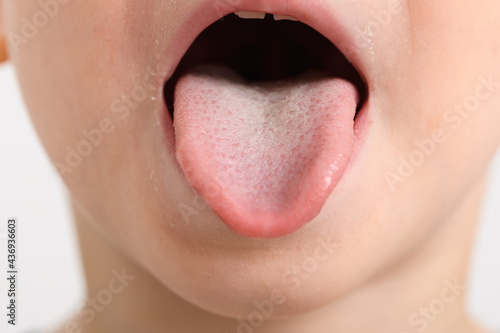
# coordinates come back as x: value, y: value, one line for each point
x: 51, y: 283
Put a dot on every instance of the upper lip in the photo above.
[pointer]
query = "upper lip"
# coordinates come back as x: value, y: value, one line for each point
x: 312, y: 13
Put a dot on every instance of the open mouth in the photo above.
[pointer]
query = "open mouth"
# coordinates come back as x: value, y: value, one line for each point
x: 264, y: 112
x: 266, y: 49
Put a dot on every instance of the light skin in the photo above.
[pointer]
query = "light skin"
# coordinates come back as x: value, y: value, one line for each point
x: 394, y: 246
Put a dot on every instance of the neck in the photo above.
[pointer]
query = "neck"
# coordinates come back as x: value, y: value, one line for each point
x: 426, y: 292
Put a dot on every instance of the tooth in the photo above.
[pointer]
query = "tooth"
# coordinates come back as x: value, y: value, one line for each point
x: 284, y: 17
x: 251, y: 15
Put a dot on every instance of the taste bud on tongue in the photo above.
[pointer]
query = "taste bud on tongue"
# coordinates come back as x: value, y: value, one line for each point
x: 265, y: 156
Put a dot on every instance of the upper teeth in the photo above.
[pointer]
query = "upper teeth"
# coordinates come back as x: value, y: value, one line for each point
x: 259, y: 15
x: 284, y: 17
x: 251, y: 15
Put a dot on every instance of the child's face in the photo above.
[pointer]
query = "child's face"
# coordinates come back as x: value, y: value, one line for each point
x: 93, y: 76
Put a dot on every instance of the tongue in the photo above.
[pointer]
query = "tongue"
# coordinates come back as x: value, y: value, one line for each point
x: 264, y: 156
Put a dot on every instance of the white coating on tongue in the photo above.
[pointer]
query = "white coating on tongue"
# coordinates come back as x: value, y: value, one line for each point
x: 264, y: 156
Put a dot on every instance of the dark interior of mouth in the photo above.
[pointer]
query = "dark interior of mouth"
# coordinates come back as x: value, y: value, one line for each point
x: 265, y: 50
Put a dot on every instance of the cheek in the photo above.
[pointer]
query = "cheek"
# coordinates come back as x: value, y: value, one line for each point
x: 443, y: 100
x: 426, y: 154
x: 70, y: 79
x: 54, y: 81
x: 95, y: 102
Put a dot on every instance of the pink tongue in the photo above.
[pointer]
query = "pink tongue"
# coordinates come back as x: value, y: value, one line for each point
x: 264, y: 156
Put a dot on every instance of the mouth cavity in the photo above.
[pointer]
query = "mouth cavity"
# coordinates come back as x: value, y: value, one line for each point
x: 272, y: 48
x: 264, y: 109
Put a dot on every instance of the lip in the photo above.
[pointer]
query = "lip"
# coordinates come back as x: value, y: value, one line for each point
x: 312, y: 13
